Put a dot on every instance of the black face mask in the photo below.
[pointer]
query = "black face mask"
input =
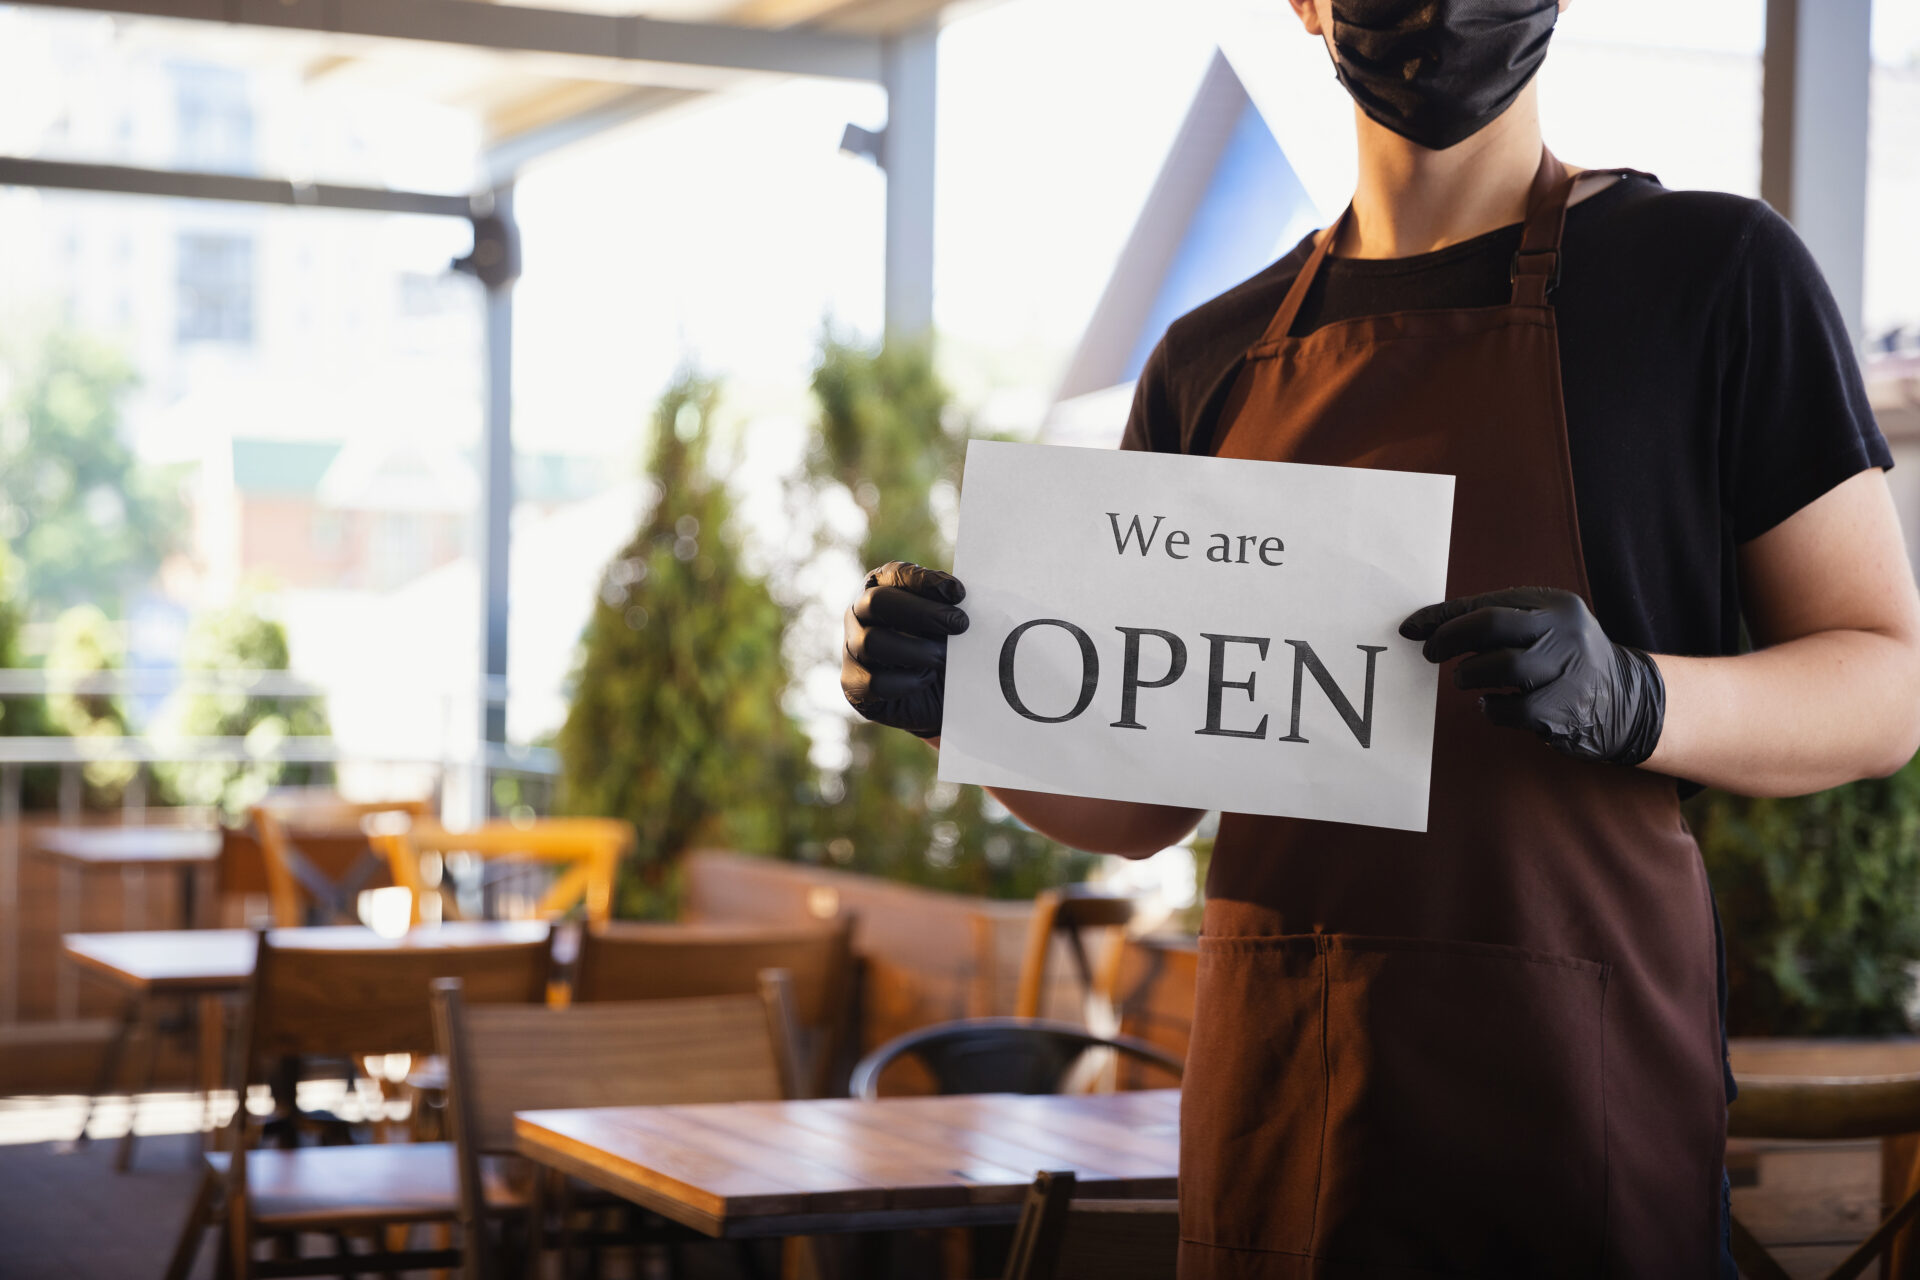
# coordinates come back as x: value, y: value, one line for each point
x: 1438, y: 71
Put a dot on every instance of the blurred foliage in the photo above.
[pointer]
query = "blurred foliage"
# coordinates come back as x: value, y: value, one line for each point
x: 1188, y: 919
x: 85, y: 519
x: 23, y: 716
x: 888, y: 433
x: 677, y: 722
x: 236, y: 638
x: 1820, y: 903
x: 86, y: 643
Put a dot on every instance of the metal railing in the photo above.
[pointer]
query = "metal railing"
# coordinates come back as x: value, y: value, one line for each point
x: 455, y: 756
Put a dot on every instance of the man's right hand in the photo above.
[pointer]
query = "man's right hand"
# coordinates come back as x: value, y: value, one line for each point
x: 893, y: 667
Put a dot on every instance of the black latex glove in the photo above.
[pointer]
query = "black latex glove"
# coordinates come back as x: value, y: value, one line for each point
x: 1582, y: 693
x: 893, y: 667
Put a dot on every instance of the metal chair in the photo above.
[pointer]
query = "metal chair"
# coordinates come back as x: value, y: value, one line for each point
x: 1825, y: 1109
x: 1000, y: 1055
x: 1060, y: 1238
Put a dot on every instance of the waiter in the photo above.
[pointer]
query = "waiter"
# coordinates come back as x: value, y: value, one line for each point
x: 1496, y: 1048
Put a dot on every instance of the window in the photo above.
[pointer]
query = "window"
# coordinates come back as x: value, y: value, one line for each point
x: 213, y: 121
x: 215, y: 287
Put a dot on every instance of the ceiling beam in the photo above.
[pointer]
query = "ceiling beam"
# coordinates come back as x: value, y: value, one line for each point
x: 511, y: 28
x: 126, y: 180
x: 506, y: 156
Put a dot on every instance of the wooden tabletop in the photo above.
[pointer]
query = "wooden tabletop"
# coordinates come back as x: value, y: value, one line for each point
x: 130, y: 846
x: 222, y: 959
x: 792, y: 1168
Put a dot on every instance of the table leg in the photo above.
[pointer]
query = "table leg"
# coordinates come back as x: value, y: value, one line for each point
x: 149, y: 1035
x: 67, y: 984
x: 133, y: 898
x: 189, y: 894
x: 210, y: 1052
x: 110, y: 1059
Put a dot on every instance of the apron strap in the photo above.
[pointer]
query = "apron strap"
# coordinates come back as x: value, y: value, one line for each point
x: 1282, y: 322
x: 1536, y: 264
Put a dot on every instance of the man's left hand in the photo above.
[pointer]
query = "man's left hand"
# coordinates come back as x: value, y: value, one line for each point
x: 1582, y: 693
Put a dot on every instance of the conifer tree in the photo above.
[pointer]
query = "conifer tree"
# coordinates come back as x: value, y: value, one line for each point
x: 886, y: 432
x: 676, y: 722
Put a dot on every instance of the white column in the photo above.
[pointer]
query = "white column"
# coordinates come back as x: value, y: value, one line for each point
x: 910, y: 72
x: 1813, y: 150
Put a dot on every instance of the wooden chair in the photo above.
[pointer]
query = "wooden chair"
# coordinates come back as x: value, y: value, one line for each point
x: 1060, y: 1238
x: 328, y: 1001
x: 666, y: 961
x: 318, y: 855
x: 240, y: 877
x: 504, y: 1059
x: 587, y: 852
x: 1000, y: 1055
x: 1829, y: 1109
x: 1070, y: 912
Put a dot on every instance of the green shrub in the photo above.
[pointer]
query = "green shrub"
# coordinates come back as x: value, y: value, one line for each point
x: 677, y: 721
x: 1820, y: 902
x: 236, y: 638
x: 84, y: 517
x: 22, y: 715
x: 85, y: 644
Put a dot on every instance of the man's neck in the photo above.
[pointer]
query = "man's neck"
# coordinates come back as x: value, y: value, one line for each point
x: 1411, y: 200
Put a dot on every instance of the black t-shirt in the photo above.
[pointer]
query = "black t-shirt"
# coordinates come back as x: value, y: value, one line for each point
x: 1711, y: 388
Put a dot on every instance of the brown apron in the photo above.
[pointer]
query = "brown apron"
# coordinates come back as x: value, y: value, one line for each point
x: 1493, y: 1048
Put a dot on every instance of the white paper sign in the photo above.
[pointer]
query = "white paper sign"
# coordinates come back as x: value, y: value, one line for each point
x: 1203, y: 632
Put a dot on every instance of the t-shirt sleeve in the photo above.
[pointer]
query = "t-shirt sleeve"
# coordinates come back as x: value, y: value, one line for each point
x: 1795, y: 417
x: 1153, y: 425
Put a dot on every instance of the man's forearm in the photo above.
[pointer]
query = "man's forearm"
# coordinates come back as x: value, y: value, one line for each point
x: 1123, y: 827
x: 1802, y: 716
x: 1098, y: 826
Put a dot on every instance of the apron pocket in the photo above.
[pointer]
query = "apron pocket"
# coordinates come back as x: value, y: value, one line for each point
x: 1420, y: 1106
x: 1466, y: 1120
x: 1254, y: 1098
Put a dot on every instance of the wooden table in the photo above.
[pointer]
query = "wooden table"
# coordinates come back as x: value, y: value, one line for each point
x: 212, y: 964
x: 133, y: 851
x: 746, y: 1169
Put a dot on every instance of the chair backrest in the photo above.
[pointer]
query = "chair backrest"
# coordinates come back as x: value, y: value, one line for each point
x: 318, y: 855
x: 640, y: 1053
x: 1831, y: 1109
x: 359, y: 1000
x: 1825, y: 1109
x: 352, y: 1000
x: 587, y: 852
x: 1000, y: 1055
x: 629, y: 961
x: 502, y: 1059
x: 1059, y: 1236
x: 242, y: 866
x: 1153, y: 982
x: 1067, y: 913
